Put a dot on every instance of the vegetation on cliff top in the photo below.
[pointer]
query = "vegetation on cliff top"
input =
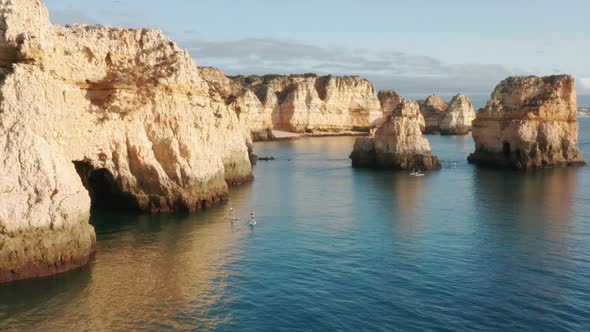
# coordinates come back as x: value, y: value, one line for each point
x: 265, y: 79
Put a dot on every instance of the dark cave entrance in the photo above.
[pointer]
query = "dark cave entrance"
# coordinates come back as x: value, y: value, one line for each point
x: 105, y: 193
x: 506, y: 149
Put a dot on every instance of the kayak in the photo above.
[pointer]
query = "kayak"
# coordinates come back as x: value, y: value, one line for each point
x: 233, y: 219
x: 418, y: 175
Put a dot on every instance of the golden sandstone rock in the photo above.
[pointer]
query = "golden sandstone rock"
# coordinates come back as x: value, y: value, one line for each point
x: 530, y: 122
x: 307, y: 103
x: 397, y: 143
x: 117, y: 115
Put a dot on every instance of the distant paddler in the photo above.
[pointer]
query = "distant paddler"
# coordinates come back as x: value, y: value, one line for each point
x: 231, y: 215
x: 252, y: 219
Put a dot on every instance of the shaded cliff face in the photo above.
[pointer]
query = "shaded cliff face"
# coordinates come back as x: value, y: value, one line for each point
x: 433, y: 110
x: 390, y: 100
x: 308, y: 103
x: 120, y: 116
x: 252, y: 114
x: 458, y: 117
x: 530, y: 122
x: 397, y: 143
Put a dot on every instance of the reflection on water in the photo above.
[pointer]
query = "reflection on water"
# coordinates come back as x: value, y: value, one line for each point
x: 337, y: 248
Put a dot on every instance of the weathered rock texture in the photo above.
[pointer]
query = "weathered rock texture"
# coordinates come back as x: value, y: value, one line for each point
x: 397, y: 144
x: 433, y: 110
x: 307, y: 103
x: 252, y: 114
x: 458, y: 117
x: 444, y: 118
x: 118, y: 115
x: 530, y: 122
x: 389, y: 100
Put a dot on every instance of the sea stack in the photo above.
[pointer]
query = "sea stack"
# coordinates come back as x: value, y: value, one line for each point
x: 458, y: 117
x: 433, y: 109
x: 389, y: 101
x: 530, y: 122
x: 397, y: 143
x: 114, y: 117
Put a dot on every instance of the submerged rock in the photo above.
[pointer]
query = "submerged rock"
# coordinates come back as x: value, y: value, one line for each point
x: 397, y: 143
x: 530, y: 122
x: 117, y: 115
x: 458, y: 117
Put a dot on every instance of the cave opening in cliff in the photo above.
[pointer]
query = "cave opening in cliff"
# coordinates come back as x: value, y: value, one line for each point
x: 506, y: 149
x: 103, y: 189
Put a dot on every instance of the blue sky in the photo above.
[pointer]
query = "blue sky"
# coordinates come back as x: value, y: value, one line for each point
x: 415, y: 47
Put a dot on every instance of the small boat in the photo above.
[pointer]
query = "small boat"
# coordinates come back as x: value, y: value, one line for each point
x: 233, y: 218
x: 252, y: 222
x: 419, y: 174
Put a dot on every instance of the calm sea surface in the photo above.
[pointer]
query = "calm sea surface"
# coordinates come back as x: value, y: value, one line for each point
x: 337, y: 249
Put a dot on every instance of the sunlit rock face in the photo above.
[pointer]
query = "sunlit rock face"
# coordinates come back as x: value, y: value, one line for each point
x: 389, y: 100
x: 397, y: 143
x: 253, y: 116
x: 433, y: 109
x: 529, y: 122
x: 458, y: 117
x: 307, y: 103
x: 117, y: 115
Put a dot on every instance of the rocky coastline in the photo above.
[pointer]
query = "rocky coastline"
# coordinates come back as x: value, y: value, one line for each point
x: 529, y: 122
x: 124, y: 119
x: 128, y: 121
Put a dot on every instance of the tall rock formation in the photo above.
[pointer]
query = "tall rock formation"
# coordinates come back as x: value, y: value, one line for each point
x: 307, y: 103
x: 389, y: 101
x: 252, y: 114
x: 117, y: 115
x: 530, y: 122
x: 458, y: 117
x: 397, y: 143
x: 444, y: 118
x: 433, y: 110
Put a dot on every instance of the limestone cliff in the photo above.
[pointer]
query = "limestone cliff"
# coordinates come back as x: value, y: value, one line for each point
x: 307, y: 103
x: 433, y: 110
x: 458, y: 117
x: 117, y: 115
x: 529, y: 122
x: 397, y: 143
x: 389, y: 100
x: 252, y: 114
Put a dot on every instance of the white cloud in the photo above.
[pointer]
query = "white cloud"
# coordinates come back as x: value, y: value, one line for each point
x: 406, y: 73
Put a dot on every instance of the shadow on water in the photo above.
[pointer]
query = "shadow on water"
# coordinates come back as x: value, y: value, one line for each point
x: 24, y: 296
x: 538, y: 201
x: 148, y: 269
x: 524, y: 245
